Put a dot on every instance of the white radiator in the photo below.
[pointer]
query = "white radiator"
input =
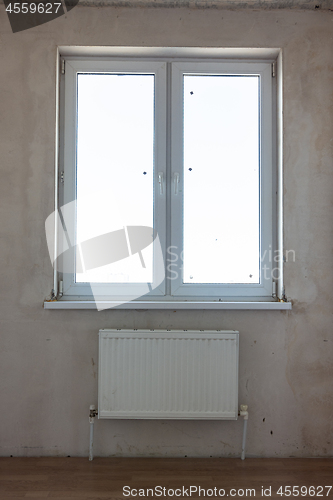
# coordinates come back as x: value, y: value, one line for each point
x: 168, y: 374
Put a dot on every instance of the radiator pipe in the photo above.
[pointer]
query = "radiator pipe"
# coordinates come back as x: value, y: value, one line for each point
x: 92, y: 415
x: 244, y: 413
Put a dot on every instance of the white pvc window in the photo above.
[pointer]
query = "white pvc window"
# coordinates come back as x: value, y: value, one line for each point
x: 168, y: 171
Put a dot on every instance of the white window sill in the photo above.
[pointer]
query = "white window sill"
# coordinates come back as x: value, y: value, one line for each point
x: 90, y: 304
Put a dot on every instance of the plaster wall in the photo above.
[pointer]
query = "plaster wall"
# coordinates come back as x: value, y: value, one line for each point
x: 218, y: 4
x: 49, y: 358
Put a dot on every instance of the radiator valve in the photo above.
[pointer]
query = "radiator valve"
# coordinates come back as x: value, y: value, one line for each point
x: 92, y: 413
x: 243, y: 412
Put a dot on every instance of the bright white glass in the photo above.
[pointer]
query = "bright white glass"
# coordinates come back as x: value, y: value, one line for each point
x: 221, y: 179
x: 115, y: 164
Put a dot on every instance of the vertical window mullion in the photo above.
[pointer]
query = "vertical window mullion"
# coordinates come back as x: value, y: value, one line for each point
x: 176, y: 181
x: 160, y: 167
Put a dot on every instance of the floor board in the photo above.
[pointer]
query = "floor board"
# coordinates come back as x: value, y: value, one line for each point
x: 105, y: 478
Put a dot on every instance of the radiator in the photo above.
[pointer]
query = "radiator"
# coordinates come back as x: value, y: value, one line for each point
x: 168, y: 374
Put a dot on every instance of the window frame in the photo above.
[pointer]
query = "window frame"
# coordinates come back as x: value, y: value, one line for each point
x: 181, y: 59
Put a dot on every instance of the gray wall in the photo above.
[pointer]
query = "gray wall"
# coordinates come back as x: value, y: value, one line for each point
x: 48, y: 365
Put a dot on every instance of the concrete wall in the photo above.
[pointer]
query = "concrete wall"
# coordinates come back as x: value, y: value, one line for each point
x: 218, y: 4
x: 48, y: 366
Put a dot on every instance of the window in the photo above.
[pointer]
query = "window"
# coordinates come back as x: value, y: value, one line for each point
x: 167, y: 180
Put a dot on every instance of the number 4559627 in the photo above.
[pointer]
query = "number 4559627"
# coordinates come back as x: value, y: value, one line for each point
x: 304, y: 491
x: 31, y: 8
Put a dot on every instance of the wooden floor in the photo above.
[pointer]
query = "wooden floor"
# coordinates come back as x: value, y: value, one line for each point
x: 104, y: 478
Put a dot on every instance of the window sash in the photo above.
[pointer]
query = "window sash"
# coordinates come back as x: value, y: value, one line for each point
x: 67, y: 191
x: 264, y: 288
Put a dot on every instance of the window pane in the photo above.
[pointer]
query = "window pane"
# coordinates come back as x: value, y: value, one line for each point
x: 115, y: 155
x: 221, y: 179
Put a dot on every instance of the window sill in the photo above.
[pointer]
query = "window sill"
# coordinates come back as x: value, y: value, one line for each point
x: 90, y: 304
